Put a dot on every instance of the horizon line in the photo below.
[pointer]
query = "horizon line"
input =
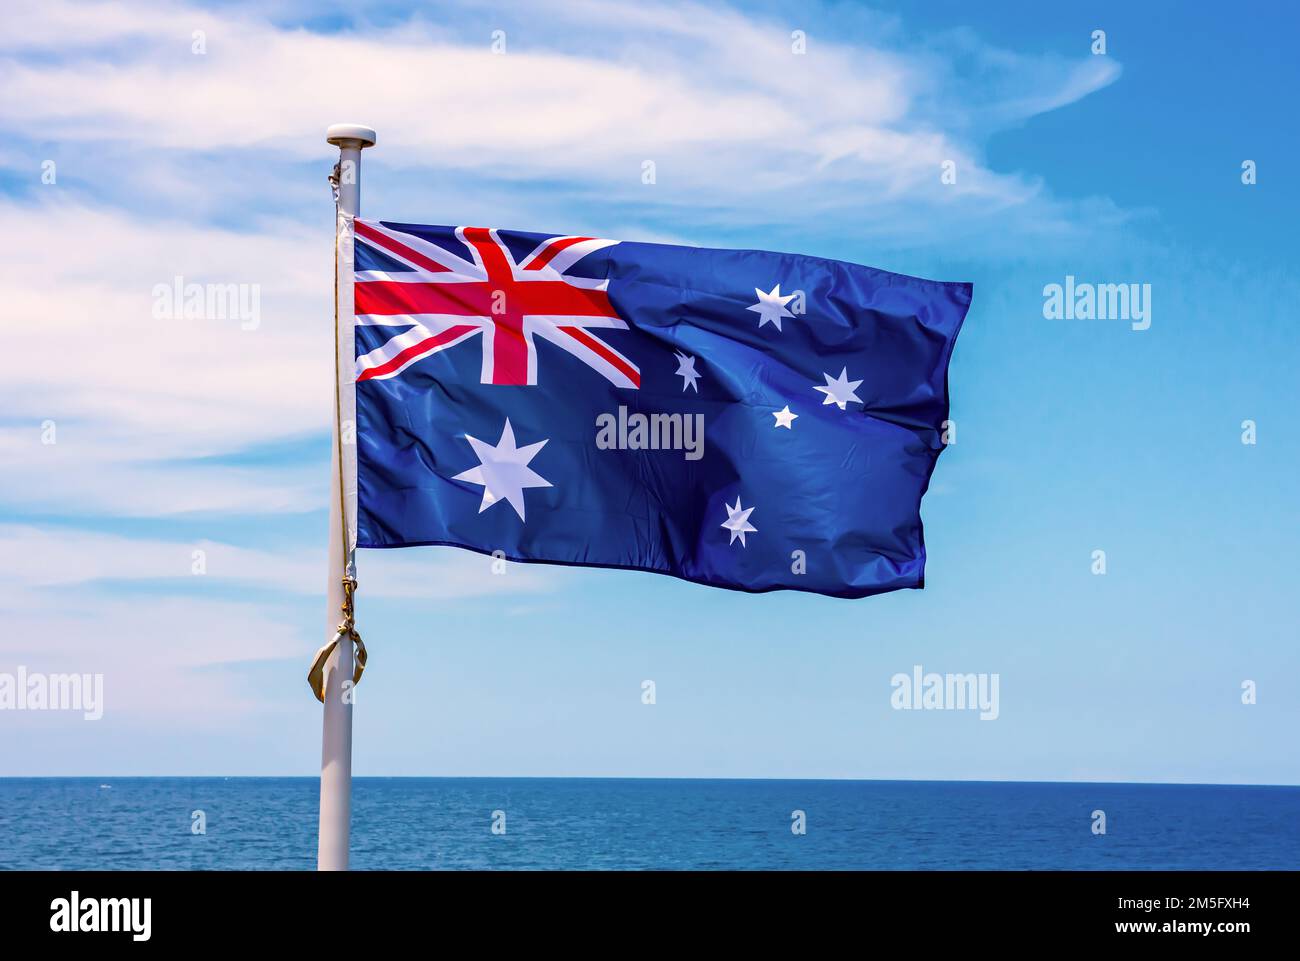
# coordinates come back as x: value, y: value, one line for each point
x: 583, y: 777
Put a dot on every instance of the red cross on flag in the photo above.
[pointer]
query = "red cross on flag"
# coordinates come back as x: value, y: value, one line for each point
x: 443, y: 299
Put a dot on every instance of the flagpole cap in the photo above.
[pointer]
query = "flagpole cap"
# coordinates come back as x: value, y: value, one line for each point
x: 350, y: 135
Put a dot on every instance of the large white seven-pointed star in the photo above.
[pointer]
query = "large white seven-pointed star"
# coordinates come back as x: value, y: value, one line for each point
x: 686, y: 371
x: 771, y: 307
x: 503, y: 470
x: 840, y: 390
x: 784, y: 418
x: 738, y: 522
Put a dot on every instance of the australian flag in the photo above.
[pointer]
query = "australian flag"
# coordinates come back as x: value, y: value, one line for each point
x: 742, y: 419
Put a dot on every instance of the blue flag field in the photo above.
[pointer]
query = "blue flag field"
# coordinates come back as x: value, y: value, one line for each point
x: 748, y: 420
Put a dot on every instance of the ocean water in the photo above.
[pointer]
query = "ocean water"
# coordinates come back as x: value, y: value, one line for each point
x: 566, y: 823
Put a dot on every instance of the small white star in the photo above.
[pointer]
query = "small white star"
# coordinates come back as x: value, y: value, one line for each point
x: 686, y: 371
x: 738, y: 521
x: 771, y: 307
x: 503, y: 470
x: 840, y: 390
x: 784, y: 418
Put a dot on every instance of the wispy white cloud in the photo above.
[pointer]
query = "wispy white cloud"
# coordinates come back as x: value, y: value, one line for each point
x: 165, y: 660
x: 137, y: 402
x: 35, y: 558
x: 182, y: 658
x: 736, y: 122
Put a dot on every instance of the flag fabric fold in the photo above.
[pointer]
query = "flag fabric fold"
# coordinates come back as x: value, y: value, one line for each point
x: 743, y: 419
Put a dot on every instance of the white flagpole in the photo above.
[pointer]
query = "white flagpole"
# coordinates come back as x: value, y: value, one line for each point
x: 336, y: 730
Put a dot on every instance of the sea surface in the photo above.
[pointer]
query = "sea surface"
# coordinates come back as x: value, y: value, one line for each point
x: 576, y: 823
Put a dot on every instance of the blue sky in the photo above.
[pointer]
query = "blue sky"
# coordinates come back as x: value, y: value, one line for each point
x: 1073, y: 435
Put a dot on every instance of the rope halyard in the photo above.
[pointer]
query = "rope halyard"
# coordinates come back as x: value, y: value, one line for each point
x: 347, y: 628
x: 338, y: 411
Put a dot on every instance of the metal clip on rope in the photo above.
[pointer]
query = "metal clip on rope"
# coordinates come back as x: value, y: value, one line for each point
x: 334, y: 184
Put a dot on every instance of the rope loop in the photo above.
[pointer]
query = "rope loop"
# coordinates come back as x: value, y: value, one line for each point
x: 347, y: 631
